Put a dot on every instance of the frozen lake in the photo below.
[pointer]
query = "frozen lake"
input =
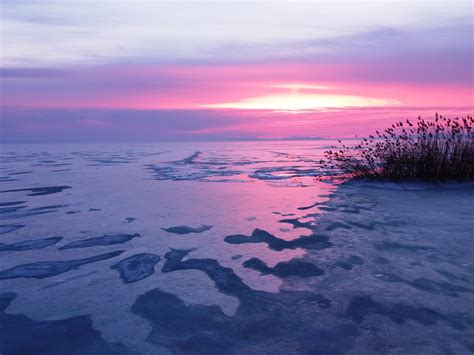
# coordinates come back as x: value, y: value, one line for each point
x: 226, y: 248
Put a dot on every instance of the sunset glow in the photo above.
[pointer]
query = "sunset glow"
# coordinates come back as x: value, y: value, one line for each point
x: 296, y: 100
x: 229, y: 71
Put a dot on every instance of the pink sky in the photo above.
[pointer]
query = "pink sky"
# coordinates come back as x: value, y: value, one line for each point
x: 198, y: 86
x: 220, y: 80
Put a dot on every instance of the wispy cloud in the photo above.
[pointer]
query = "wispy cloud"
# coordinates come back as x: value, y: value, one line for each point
x: 91, y: 32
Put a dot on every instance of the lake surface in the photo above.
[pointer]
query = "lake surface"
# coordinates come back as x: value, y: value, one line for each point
x: 241, y: 247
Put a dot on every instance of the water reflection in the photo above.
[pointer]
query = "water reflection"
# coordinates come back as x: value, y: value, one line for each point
x: 232, y: 230
x: 233, y: 187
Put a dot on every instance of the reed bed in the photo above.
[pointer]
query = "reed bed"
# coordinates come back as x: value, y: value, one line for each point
x: 439, y: 149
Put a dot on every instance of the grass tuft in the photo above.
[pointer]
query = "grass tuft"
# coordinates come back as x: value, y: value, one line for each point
x: 440, y: 149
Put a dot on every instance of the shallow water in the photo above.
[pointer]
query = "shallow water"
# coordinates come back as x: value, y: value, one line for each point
x: 226, y: 247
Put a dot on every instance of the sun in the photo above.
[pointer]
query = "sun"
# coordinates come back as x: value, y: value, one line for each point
x: 296, y: 100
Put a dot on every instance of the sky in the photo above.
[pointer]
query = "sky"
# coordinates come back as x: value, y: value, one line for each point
x: 76, y: 70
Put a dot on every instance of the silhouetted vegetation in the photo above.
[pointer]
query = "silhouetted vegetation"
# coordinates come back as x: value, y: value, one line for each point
x: 439, y: 149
